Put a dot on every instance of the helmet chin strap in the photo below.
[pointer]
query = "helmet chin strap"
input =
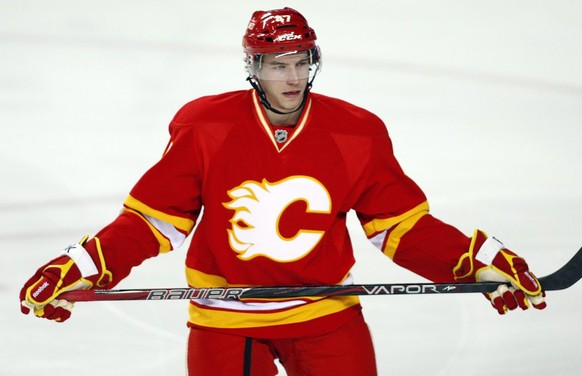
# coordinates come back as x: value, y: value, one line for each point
x: 263, y: 97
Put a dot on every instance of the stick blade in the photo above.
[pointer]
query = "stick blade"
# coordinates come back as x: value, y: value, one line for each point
x: 566, y: 276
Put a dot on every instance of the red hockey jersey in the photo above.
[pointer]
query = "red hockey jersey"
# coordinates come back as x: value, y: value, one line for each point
x: 271, y: 206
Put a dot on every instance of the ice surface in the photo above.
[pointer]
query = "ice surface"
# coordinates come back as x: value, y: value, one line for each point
x: 483, y: 100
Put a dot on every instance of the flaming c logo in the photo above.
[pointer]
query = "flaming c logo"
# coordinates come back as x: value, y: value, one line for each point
x: 258, y: 208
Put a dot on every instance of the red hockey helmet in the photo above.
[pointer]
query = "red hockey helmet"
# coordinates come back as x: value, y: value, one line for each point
x: 278, y: 31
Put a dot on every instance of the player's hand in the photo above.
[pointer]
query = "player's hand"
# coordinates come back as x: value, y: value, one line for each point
x: 489, y: 260
x: 73, y: 270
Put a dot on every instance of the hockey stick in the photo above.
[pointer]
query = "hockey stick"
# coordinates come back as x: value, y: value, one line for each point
x: 561, y: 279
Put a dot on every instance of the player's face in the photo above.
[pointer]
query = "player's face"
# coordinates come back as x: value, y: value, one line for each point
x: 284, y: 79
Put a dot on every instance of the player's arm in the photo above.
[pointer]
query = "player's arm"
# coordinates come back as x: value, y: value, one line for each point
x: 100, y: 262
x: 158, y: 215
x: 439, y: 252
x: 395, y: 216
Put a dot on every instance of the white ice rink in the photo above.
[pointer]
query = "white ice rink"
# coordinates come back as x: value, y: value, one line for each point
x: 482, y: 99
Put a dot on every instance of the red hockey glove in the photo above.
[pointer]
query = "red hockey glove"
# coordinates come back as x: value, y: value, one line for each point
x: 488, y: 260
x: 75, y: 269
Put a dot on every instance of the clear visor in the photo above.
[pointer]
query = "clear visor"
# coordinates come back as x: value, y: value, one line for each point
x: 289, y: 66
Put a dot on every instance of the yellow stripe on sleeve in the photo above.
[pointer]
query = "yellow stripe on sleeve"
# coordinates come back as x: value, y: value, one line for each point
x: 165, y: 245
x: 399, y: 231
x: 378, y: 225
x: 181, y: 223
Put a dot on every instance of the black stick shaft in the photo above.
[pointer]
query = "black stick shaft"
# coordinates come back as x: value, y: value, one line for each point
x: 561, y: 279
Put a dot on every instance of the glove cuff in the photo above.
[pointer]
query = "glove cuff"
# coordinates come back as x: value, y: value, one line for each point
x: 488, y: 250
x: 480, y: 255
x: 81, y: 257
x: 104, y: 277
x: 84, y: 258
x: 469, y: 263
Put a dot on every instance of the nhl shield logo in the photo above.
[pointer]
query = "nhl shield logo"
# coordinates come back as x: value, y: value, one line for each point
x: 281, y: 136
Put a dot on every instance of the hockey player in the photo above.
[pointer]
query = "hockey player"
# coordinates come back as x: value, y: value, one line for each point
x: 276, y: 169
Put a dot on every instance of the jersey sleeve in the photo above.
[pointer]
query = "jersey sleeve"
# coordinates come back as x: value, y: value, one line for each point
x: 168, y: 196
x: 160, y: 211
x: 394, y: 214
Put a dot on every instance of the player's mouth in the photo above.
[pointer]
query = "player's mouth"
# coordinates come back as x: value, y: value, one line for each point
x: 294, y: 94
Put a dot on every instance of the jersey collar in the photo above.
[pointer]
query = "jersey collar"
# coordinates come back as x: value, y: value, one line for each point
x: 266, y: 125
